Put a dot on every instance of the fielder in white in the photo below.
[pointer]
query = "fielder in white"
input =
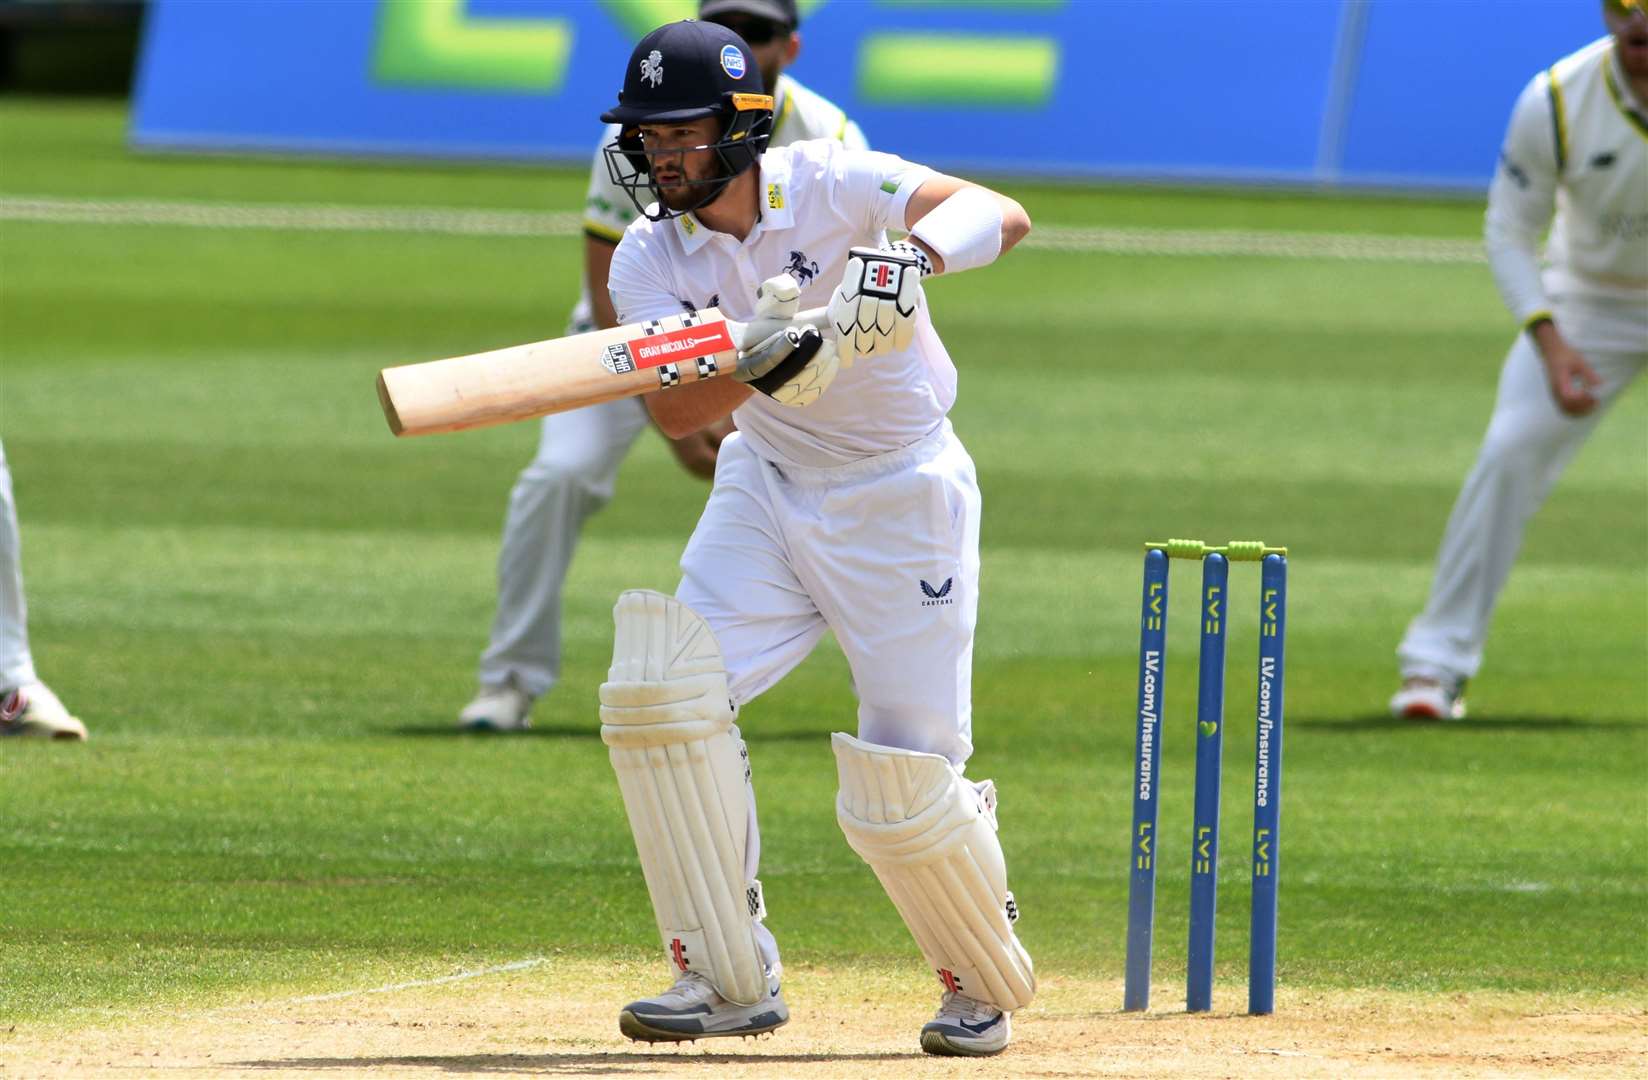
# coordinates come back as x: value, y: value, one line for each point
x: 575, y: 470
x: 858, y: 513
x: 1575, y: 161
x: 27, y: 706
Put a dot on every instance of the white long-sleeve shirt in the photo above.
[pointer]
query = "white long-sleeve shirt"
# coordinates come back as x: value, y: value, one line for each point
x: 1574, y: 161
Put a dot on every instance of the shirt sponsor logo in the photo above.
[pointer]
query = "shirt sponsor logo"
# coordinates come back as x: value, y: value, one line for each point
x: 775, y: 197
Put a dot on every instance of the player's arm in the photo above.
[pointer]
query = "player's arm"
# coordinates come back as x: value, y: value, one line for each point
x: 962, y: 225
x: 696, y: 449
x: 792, y: 365
x: 1521, y: 203
x: 953, y: 225
x: 606, y: 214
x: 683, y: 411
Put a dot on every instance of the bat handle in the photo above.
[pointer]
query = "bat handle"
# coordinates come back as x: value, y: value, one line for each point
x: 749, y: 334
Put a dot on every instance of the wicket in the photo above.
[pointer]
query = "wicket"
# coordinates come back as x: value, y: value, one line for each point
x: 1267, y: 778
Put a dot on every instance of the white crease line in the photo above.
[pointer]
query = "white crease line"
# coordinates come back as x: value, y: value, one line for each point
x: 518, y: 965
x: 434, y: 219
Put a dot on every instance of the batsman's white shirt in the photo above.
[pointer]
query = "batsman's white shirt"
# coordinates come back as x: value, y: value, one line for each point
x: 817, y: 200
x: 859, y: 513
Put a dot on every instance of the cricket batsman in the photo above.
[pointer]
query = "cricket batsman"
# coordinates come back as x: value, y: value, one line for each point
x: 844, y: 502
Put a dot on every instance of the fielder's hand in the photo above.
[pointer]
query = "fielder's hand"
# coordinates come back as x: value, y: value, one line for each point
x: 1573, y: 380
x: 874, y: 308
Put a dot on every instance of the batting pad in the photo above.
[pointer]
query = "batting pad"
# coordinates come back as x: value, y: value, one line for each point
x: 668, y: 725
x: 930, y: 836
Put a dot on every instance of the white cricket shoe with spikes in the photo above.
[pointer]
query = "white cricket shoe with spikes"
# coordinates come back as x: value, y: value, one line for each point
x: 692, y: 1010
x: 966, y: 1027
x: 33, y: 711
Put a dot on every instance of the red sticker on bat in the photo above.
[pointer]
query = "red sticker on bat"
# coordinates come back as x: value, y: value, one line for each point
x: 687, y: 343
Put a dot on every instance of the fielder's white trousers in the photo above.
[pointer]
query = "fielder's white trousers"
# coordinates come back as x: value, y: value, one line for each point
x: 882, y: 551
x: 16, y: 665
x: 1528, y: 444
x: 572, y: 476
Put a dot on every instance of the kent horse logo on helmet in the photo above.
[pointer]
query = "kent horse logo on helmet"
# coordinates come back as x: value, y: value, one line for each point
x: 652, y: 68
x: 709, y: 78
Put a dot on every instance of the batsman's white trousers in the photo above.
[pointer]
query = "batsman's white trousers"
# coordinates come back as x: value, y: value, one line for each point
x: 882, y: 551
x: 16, y: 664
x: 1528, y: 444
x: 572, y: 476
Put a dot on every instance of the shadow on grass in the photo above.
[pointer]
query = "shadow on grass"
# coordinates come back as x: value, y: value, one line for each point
x: 1351, y: 725
x: 565, y: 1064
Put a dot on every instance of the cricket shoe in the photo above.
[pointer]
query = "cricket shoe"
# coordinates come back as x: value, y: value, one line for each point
x: 33, y: 711
x: 1424, y: 698
x: 497, y: 708
x: 692, y: 1009
x: 966, y: 1027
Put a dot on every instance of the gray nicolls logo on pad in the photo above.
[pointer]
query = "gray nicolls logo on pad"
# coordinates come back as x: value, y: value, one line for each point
x: 652, y: 68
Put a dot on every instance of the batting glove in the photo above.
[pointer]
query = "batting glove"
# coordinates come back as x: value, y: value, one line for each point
x: 874, y: 308
x: 793, y: 366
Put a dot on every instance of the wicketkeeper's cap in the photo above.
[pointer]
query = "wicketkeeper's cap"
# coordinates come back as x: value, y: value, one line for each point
x: 782, y: 12
x: 686, y: 70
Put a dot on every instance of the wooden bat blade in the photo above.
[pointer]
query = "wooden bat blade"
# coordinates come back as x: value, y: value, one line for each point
x: 544, y: 377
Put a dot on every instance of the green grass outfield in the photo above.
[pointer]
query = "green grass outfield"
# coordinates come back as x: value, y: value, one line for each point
x: 268, y: 610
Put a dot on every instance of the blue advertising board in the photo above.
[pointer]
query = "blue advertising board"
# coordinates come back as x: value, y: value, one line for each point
x: 1310, y: 91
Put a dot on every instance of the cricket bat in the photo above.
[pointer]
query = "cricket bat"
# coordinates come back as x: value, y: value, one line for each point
x: 544, y: 377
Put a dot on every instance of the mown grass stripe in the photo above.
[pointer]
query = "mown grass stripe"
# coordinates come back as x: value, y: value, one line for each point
x: 435, y: 219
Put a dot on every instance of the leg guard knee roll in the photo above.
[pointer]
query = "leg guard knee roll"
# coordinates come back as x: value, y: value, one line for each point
x: 930, y: 837
x: 668, y: 724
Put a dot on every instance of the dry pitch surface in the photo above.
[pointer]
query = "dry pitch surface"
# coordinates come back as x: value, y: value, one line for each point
x: 559, y: 1019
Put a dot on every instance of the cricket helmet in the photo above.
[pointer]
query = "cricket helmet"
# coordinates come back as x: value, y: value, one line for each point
x: 681, y: 71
